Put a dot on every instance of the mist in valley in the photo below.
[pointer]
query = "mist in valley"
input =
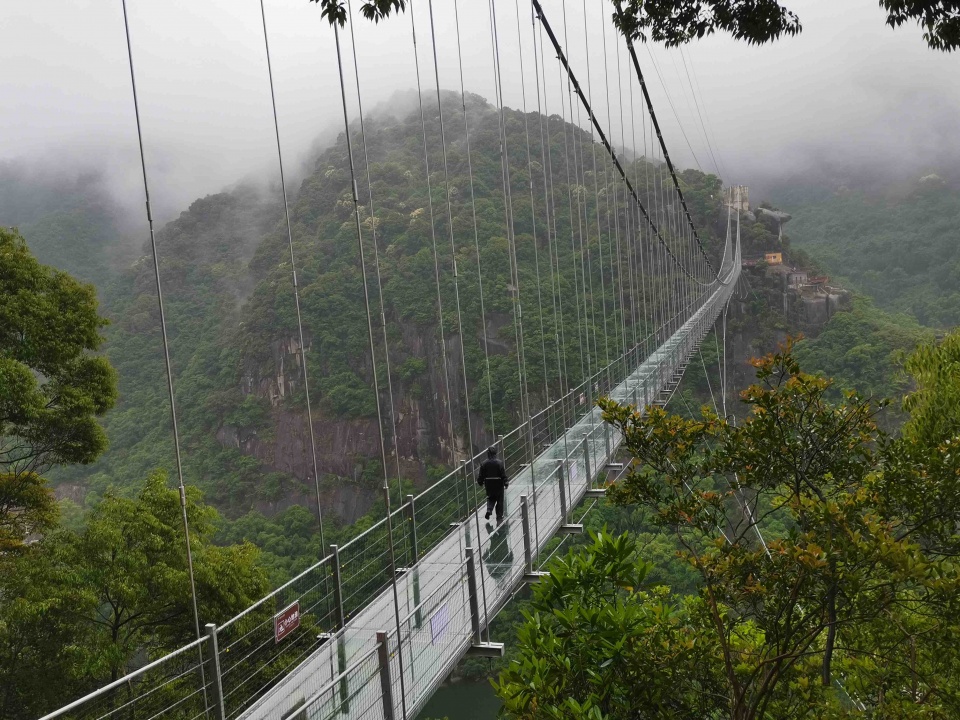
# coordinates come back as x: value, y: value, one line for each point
x: 849, y: 101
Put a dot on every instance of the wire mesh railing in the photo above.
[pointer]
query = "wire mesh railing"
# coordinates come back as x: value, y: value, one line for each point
x: 177, y: 686
x: 316, y: 647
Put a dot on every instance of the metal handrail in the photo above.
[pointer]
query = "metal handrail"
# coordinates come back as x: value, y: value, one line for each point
x: 124, y: 680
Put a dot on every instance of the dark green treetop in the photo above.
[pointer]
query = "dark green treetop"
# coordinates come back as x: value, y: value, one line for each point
x: 52, y: 385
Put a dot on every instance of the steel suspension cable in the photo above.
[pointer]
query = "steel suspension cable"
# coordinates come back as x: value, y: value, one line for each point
x: 511, y: 236
x: 574, y: 200
x: 453, y: 246
x: 616, y: 217
x: 456, y: 284
x: 663, y: 145
x: 433, y: 238
x: 573, y: 239
x: 596, y: 191
x: 546, y: 163
x: 706, y: 114
x: 603, y: 138
x: 476, y: 232
x: 483, y: 315
x: 586, y: 264
x: 166, y: 343
x: 673, y: 108
x: 696, y: 104
x: 655, y: 249
x: 293, y: 267
x: 373, y: 361
x: 629, y: 238
x: 533, y: 206
x: 638, y: 227
x: 392, y: 418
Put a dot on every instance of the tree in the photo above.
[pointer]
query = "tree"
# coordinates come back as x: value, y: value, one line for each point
x: 52, y: 387
x: 26, y: 506
x: 40, y: 633
x: 639, y: 657
x: 130, y: 561
x: 86, y: 608
x: 676, y: 22
x: 825, y: 554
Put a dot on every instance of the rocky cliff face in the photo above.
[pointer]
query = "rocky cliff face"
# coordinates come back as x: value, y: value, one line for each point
x: 348, y: 450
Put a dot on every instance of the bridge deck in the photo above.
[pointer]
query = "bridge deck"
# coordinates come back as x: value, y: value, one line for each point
x: 343, y: 677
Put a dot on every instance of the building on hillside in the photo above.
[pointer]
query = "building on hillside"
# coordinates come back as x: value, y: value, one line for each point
x: 740, y: 198
x: 796, y: 277
x: 773, y: 258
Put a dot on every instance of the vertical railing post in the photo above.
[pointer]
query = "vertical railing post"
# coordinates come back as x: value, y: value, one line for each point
x: 341, y: 617
x: 606, y: 440
x: 461, y: 474
x: 531, y: 447
x: 472, y: 590
x: 586, y: 458
x: 218, y: 707
x: 561, y: 475
x: 337, y: 588
x: 412, y: 519
x: 386, y: 685
x: 527, y: 550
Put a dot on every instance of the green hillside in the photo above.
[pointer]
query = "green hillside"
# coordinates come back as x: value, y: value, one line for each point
x: 901, y: 248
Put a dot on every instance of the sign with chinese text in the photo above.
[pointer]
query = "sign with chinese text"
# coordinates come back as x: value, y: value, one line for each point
x: 286, y: 621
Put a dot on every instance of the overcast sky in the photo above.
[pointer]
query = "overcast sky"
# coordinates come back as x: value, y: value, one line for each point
x: 847, y: 91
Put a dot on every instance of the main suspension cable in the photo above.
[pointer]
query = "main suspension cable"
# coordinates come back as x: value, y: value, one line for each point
x: 603, y: 138
x: 663, y: 145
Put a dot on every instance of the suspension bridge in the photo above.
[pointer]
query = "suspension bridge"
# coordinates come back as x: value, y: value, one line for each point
x: 374, y: 627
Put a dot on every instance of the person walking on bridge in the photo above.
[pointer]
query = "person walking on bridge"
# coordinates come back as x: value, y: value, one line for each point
x: 493, y: 477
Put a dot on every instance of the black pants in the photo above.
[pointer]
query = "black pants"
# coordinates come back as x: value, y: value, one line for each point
x: 495, y: 499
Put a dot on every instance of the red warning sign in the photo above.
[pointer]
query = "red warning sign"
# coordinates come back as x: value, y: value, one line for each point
x: 286, y: 621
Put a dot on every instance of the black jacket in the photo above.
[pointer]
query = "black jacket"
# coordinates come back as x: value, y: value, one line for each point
x: 492, y: 475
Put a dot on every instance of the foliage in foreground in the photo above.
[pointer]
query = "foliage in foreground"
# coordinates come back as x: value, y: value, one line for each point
x: 52, y: 385
x: 825, y: 550
x: 676, y: 22
x: 85, y: 608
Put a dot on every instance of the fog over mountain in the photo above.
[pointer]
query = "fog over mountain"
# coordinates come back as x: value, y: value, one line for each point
x: 848, y: 96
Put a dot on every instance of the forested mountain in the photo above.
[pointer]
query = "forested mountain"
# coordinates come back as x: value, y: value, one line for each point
x: 71, y: 220
x: 897, y: 244
x: 234, y: 340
